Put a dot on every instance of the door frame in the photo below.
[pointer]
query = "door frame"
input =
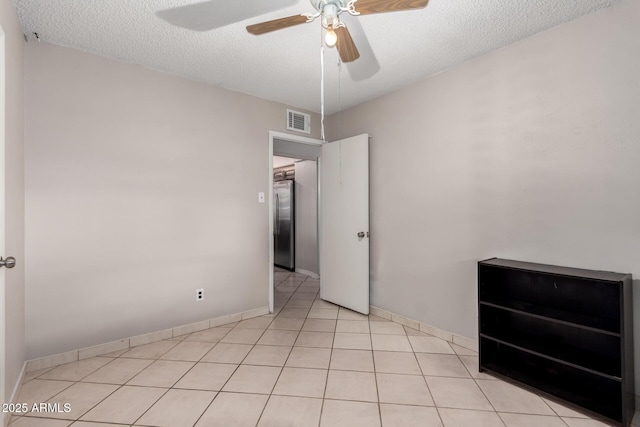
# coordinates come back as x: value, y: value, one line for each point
x: 299, y: 140
x: 3, y: 358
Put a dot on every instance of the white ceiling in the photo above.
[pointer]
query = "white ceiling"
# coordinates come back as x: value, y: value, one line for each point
x: 284, y: 65
x: 279, y: 161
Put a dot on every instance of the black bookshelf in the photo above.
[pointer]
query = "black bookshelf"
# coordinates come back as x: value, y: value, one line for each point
x: 565, y: 331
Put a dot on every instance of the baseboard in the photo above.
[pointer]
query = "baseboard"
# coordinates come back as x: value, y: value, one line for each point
x: 6, y: 417
x: 308, y: 273
x: 255, y: 313
x: 126, y: 343
x: 465, y: 342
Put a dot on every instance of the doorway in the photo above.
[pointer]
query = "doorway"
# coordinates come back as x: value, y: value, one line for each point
x: 286, y: 222
x: 343, y: 202
x: 295, y: 212
x: 306, y: 152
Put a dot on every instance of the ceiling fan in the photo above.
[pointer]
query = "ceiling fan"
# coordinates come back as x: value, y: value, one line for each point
x: 211, y: 14
x: 329, y: 12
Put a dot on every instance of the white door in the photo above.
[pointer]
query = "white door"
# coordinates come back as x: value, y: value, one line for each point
x: 344, y: 242
x: 2, y: 243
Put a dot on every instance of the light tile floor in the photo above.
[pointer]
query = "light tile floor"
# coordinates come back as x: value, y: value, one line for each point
x: 310, y: 363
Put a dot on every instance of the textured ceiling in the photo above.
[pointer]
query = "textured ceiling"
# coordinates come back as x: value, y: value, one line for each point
x: 284, y: 65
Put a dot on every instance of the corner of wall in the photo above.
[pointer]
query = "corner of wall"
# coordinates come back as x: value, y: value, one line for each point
x: 13, y: 166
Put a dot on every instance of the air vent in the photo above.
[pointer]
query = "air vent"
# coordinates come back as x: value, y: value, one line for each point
x: 298, y: 121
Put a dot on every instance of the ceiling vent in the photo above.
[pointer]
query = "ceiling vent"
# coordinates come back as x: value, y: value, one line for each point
x: 300, y: 122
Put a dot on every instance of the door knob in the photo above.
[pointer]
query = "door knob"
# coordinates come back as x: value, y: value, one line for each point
x: 10, y: 262
x: 361, y: 235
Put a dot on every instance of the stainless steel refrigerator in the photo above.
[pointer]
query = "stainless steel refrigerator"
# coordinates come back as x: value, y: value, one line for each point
x: 284, y: 224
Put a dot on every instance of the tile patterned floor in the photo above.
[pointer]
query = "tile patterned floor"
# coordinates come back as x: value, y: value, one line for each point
x: 309, y: 364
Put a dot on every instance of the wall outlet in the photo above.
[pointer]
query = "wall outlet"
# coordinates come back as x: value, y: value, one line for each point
x: 199, y: 294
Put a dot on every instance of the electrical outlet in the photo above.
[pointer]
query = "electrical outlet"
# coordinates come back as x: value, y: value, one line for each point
x: 199, y: 294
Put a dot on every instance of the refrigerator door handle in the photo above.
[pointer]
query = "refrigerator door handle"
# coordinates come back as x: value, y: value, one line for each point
x: 277, y: 216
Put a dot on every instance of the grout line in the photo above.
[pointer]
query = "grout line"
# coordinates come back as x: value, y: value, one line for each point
x: 281, y: 369
x: 478, y: 385
x: 326, y: 382
x: 232, y: 374
x: 481, y: 390
x: 98, y: 403
x: 152, y: 405
x: 424, y: 377
x: 279, y: 366
x: 375, y: 377
x: 563, y: 420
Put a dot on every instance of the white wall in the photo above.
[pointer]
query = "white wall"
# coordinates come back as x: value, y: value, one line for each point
x: 132, y: 203
x: 306, y: 193
x: 530, y: 152
x: 14, y: 195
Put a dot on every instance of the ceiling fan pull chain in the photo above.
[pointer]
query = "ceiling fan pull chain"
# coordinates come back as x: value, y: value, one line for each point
x: 339, y: 98
x: 322, y: 88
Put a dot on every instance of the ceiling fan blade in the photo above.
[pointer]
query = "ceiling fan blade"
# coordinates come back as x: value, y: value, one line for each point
x: 276, y: 24
x: 367, y: 65
x: 367, y: 7
x: 346, y: 46
x: 213, y: 14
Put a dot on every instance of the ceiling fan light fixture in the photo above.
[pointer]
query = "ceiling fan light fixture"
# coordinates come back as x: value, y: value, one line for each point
x: 330, y: 37
x: 330, y: 16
